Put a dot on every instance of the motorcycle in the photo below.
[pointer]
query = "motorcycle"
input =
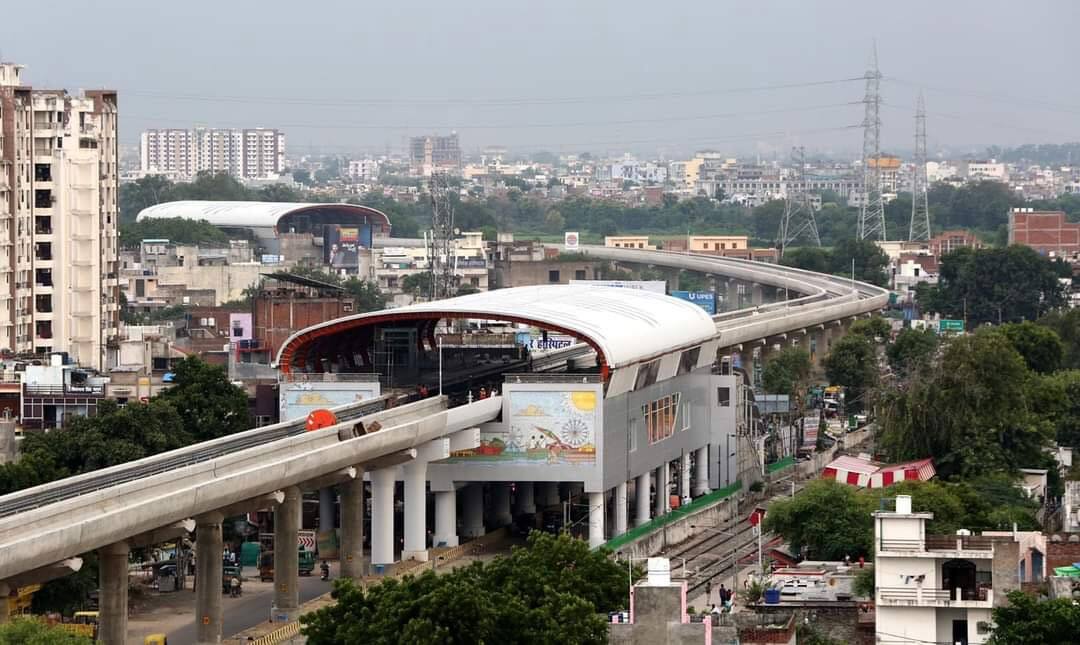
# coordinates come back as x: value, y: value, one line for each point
x: 325, y: 572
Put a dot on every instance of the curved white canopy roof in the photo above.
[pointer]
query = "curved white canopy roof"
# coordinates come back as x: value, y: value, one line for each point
x: 248, y: 214
x: 625, y: 325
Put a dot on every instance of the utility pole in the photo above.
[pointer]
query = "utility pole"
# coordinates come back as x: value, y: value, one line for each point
x: 872, y: 209
x: 440, y: 251
x: 920, y: 204
x: 798, y: 220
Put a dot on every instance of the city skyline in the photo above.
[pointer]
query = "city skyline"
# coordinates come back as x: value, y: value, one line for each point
x: 752, y: 81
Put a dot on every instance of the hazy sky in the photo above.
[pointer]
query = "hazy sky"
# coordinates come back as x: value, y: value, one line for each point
x: 564, y: 75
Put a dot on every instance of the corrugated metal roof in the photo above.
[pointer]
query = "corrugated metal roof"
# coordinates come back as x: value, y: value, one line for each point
x: 247, y: 214
x: 626, y: 325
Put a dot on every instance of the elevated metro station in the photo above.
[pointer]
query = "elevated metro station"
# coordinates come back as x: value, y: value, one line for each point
x: 635, y: 401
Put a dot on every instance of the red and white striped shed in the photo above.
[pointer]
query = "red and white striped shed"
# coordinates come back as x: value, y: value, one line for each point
x: 868, y: 474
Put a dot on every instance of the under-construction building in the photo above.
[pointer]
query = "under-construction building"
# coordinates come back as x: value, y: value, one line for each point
x: 431, y: 153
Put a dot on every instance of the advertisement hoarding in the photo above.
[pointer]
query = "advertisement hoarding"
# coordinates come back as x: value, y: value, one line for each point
x: 704, y: 299
x: 570, y: 240
x: 656, y: 286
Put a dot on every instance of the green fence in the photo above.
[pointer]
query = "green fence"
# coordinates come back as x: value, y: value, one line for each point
x: 780, y: 465
x: 659, y: 522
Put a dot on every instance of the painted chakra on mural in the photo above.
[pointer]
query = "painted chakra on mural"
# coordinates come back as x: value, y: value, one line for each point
x: 575, y: 432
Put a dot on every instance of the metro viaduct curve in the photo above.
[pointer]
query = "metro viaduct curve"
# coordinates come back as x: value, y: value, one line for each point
x: 44, y: 529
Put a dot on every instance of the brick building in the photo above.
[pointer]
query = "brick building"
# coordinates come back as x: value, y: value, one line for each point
x: 1045, y: 231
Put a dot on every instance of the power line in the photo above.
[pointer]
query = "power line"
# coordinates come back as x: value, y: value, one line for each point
x: 521, y: 126
x: 798, y: 219
x: 327, y: 101
x: 1006, y: 98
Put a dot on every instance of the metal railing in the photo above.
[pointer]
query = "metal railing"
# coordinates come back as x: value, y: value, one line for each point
x: 329, y: 377
x: 64, y: 390
x: 959, y: 542
x: 896, y: 544
x: 561, y: 377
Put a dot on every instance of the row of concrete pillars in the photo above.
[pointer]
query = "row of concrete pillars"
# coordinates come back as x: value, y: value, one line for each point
x: 502, y: 502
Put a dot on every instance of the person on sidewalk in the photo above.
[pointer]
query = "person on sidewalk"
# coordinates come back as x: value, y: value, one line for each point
x: 708, y: 591
x: 234, y: 587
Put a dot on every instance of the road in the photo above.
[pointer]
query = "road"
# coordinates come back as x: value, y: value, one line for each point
x: 248, y: 610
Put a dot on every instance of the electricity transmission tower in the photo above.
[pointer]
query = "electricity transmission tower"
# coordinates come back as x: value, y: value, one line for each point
x: 440, y: 254
x: 798, y: 220
x: 872, y: 211
x: 920, y: 203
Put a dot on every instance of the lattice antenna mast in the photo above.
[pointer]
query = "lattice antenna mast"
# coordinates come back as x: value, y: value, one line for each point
x: 872, y: 211
x: 798, y: 220
x: 920, y: 185
x: 440, y: 252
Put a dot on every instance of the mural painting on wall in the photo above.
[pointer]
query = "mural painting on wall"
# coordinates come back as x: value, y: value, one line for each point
x: 556, y: 428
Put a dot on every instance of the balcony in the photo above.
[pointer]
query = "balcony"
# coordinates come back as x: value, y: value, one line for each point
x: 915, y: 596
x: 64, y: 390
x: 959, y: 543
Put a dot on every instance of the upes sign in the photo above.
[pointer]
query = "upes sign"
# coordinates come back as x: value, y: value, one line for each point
x: 571, y: 240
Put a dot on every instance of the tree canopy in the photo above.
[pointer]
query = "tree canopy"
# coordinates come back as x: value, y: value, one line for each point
x: 869, y: 260
x: 852, y: 362
x: 1027, y: 620
x: 787, y: 371
x: 209, y: 405
x: 911, y: 350
x: 551, y: 591
x: 995, y: 285
x: 25, y: 631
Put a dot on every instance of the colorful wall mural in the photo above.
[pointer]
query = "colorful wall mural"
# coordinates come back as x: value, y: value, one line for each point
x: 298, y: 399
x: 544, y: 427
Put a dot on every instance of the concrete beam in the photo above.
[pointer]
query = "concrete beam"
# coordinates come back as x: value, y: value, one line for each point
x: 42, y: 575
x: 163, y: 534
x: 389, y: 461
x: 333, y: 479
x: 465, y: 440
x: 260, y: 503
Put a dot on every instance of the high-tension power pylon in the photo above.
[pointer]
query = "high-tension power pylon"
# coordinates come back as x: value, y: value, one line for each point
x: 920, y: 202
x: 872, y: 210
x: 798, y: 220
x: 439, y: 245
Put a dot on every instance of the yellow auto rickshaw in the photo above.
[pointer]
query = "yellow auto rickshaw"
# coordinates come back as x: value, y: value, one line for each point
x: 156, y: 639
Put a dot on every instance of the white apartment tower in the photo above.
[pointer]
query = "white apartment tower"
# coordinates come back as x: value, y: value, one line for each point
x: 59, y: 290
x: 256, y: 153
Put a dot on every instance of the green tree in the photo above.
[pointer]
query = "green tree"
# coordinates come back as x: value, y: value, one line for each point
x: 809, y: 258
x: 175, y: 229
x: 911, y: 350
x: 787, y: 372
x: 875, y: 329
x: 417, y: 284
x: 826, y: 521
x: 209, y: 404
x: 1066, y: 324
x: 26, y: 631
x: 869, y: 260
x: 1039, y: 345
x: 995, y: 285
x: 852, y: 362
x: 365, y: 294
x: 1027, y: 620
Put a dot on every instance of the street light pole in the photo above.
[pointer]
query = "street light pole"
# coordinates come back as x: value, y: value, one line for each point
x: 440, y: 366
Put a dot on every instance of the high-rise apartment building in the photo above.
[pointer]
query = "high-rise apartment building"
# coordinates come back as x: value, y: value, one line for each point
x: 255, y: 153
x: 431, y: 153
x: 59, y: 289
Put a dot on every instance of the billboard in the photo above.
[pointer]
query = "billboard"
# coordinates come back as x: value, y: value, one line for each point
x: 544, y: 428
x: 296, y: 400
x: 570, y: 240
x: 704, y: 299
x: 342, y: 244
x: 656, y: 286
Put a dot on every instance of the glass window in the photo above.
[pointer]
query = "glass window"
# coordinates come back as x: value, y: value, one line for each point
x: 723, y: 396
x: 646, y: 374
x: 688, y: 360
x: 661, y: 417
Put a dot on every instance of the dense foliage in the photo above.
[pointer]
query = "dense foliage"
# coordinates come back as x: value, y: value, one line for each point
x: 787, y: 372
x: 995, y: 285
x: 551, y: 591
x: 1027, y: 620
x: 24, y: 631
x: 861, y: 259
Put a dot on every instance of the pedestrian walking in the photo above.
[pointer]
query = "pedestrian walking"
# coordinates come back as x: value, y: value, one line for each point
x: 234, y: 587
x: 708, y: 591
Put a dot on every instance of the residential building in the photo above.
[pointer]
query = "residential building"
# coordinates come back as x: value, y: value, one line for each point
x: 57, y: 391
x: 162, y: 274
x: 949, y: 241
x: 392, y: 265
x: 938, y: 588
x: 365, y: 170
x: 58, y: 220
x: 628, y: 242
x: 432, y: 153
x: 983, y: 170
x: 244, y: 153
x: 1047, y: 232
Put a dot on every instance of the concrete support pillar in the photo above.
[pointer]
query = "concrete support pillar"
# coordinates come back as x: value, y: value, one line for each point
x: 757, y: 295
x: 446, y: 518
x: 731, y: 297
x: 641, y: 493
x: 701, y: 471
x: 382, y: 516
x: 287, y: 557
x: 524, y: 498
x: 500, y: 505
x: 208, y: 546
x: 352, y: 527
x: 113, y: 576
x: 549, y: 494
x: 596, y: 519
x: 684, y: 478
x: 663, y: 489
x: 473, y: 507
x: 620, y: 508
x: 415, y: 511
x: 326, y: 509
